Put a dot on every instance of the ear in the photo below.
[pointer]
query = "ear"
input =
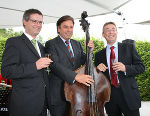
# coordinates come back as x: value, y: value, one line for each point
x: 24, y: 22
x: 103, y: 35
x: 58, y: 29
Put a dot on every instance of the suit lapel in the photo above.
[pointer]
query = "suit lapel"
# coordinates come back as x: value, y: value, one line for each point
x: 63, y: 47
x: 105, y: 62
x: 120, y: 52
x: 41, y: 49
x: 29, y: 44
x: 74, y: 47
x: 104, y: 57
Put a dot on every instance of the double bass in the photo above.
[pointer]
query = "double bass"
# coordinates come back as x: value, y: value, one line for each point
x: 84, y: 100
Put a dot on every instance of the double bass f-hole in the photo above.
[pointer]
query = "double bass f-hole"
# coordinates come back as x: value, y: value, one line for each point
x: 88, y: 101
x: 78, y: 112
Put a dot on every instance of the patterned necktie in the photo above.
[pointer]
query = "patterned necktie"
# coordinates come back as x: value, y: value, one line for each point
x: 114, y: 81
x: 33, y: 41
x: 69, y: 49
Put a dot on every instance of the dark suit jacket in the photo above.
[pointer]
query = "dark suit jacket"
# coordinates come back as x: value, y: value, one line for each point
x: 28, y: 83
x: 128, y: 55
x: 62, y: 68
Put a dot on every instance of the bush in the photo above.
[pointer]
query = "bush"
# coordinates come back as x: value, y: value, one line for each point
x: 2, y: 47
x: 143, y: 80
x: 143, y: 49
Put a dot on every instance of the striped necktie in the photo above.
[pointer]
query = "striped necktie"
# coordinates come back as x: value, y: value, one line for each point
x: 70, y: 51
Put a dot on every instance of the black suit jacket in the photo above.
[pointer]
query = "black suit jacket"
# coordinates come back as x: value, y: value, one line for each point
x: 128, y: 55
x: 62, y: 69
x: 28, y: 83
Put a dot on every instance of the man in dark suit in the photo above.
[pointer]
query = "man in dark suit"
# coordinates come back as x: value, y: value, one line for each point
x: 64, y: 64
x: 24, y: 64
x: 125, y: 97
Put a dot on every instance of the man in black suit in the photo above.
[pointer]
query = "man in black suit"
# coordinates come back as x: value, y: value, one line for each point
x: 125, y: 97
x: 25, y: 65
x: 64, y: 64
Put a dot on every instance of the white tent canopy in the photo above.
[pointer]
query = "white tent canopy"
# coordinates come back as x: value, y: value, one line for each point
x: 11, y: 11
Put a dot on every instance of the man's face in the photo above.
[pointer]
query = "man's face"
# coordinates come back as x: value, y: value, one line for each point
x: 33, y: 25
x: 110, y: 34
x: 66, y: 29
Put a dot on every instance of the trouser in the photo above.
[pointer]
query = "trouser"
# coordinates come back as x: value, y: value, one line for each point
x: 45, y: 107
x: 60, y: 109
x: 117, y: 105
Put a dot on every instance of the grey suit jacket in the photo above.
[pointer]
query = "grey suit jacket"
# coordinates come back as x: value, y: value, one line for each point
x: 62, y: 68
x: 128, y: 55
x: 28, y: 83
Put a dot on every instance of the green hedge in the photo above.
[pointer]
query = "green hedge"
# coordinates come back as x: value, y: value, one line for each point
x: 2, y: 46
x: 143, y: 80
x: 143, y: 49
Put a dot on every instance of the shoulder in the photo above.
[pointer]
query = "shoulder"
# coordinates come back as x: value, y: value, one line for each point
x: 52, y: 41
x: 14, y: 40
x: 126, y: 45
x: 75, y: 42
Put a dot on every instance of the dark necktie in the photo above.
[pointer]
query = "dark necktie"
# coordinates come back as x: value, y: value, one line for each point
x: 113, y: 75
x: 70, y: 51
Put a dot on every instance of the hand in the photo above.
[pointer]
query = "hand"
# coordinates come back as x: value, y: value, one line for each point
x: 43, y: 63
x: 84, y: 79
x: 119, y: 66
x: 102, y: 67
x: 91, y: 45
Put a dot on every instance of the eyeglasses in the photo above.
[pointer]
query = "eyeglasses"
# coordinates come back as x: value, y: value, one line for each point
x: 110, y: 30
x: 36, y: 21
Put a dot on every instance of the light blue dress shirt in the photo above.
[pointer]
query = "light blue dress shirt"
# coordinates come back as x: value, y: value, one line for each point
x: 108, y: 51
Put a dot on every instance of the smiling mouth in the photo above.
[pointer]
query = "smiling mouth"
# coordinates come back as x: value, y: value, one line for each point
x: 68, y: 34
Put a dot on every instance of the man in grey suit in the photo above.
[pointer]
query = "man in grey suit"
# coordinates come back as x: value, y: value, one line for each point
x: 64, y: 64
x: 125, y: 97
x: 25, y: 65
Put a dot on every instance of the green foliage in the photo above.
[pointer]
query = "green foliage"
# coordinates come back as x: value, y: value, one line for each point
x: 4, y: 33
x: 143, y: 80
x: 2, y: 47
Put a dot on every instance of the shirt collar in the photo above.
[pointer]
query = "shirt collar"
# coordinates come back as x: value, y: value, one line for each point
x: 115, y: 45
x: 29, y: 36
x: 64, y: 39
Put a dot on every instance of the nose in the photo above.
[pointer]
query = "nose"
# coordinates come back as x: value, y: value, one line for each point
x: 69, y: 29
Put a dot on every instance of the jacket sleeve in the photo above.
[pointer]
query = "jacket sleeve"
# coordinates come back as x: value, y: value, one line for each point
x: 57, y: 68
x: 136, y: 67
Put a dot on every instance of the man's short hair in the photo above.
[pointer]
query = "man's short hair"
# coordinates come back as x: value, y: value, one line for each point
x: 62, y: 19
x: 29, y: 12
x: 107, y: 23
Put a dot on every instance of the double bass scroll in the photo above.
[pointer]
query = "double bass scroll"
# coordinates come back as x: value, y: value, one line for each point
x: 84, y: 100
